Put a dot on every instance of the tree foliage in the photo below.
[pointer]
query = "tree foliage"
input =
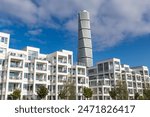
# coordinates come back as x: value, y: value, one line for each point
x: 146, y: 93
x: 120, y: 92
x: 42, y: 91
x: 136, y: 96
x: 16, y: 94
x: 87, y: 92
x: 145, y: 96
x: 113, y: 94
x: 68, y: 92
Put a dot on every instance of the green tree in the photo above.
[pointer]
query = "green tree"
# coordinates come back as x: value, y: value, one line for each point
x: 146, y: 93
x: 42, y: 91
x: 136, y: 96
x: 63, y: 94
x: 68, y: 92
x: 16, y: 94
x: 72, y: 91
x: 87, y: 92
x: 113, y: 94
x: 120, y: 92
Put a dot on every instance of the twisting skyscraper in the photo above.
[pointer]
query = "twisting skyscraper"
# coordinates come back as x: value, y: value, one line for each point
x: 85, y: 54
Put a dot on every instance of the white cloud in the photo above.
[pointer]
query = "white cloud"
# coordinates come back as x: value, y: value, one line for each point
x: 41, y: 41
x: 23, y: 10
x: 111, y: 20
x: 35, y: 32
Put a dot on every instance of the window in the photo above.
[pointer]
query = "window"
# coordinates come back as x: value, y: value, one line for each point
x: 100, y: 68
x: 92, y: 71
x: 145, y: 72
x: 100, y: 77
x: 26, y: 64
x: 111, y: 66
x: 1, y: 61
x: 92, y: 77
x: 117, y: 66
x: 107, y: 76
x: 130, y: 91
x: 112, y: 83
x: 106, y: 67
x: 93, y: 83
x: 3, y: 40
x: 28, y: 75
x: 129, y: 84
x: 32, y: 54
x: 2, y: 50
x: 100, y: 83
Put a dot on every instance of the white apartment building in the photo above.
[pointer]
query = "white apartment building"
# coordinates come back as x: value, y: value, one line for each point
x: 27, y: 69
x: 105, y: 75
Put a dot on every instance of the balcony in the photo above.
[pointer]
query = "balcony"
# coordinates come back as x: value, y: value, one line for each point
x: 17, y: 55
x: 62, y: 69
x: 106, y: 91
x: 41, y: 68
x: 41, y: 79
x: 62, y: 61
x: 13, y: 86
x: 81, y: 71
x: 62, y: 79
x: 16, y: 65
x: 15, y: 78
x: 15, y: 75
x: 81, y: 81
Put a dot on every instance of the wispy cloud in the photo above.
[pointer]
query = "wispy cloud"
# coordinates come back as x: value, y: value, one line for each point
x: 23, y: 10
x: 40, y: 41
x: 111, y: 20
x: 8, y: 31
x: 34, y: 32
x: 5, y: 22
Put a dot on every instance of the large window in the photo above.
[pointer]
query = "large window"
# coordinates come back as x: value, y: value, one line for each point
x: 92, y: 71
x: 106, y: 67
x: 117, y: 66
x: 32, y: 55
x: 145, y: 72
x: 100, y: 68
x: 92, y: 77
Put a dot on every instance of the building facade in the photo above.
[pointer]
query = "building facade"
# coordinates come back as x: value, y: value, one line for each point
x: 27, y: 69
x: 107, y: 73
x: 85, y: 54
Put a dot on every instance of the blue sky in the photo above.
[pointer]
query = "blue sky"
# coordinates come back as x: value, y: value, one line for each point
x: 120, y: 28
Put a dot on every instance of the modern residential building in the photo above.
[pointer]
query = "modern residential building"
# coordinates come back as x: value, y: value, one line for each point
x: 27, y: 69
x: 107, y: 73
x: 85, y: 54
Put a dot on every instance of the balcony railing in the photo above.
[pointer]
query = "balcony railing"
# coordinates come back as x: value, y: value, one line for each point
x: 41, y: 68
x: 15, y: 77
x: 16, y: 65
x: 41, y: 79
x: 62, y: 61
x: 62, y: 71
x: 81, y: 73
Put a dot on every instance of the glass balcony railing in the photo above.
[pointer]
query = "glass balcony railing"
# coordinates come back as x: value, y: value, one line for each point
x: 62, y: 61
x: 16, y: 65
x: 41, y: 68
x: 15, y: 77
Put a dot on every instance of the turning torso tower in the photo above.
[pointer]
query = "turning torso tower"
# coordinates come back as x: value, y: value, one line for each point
x: 85, y: 54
